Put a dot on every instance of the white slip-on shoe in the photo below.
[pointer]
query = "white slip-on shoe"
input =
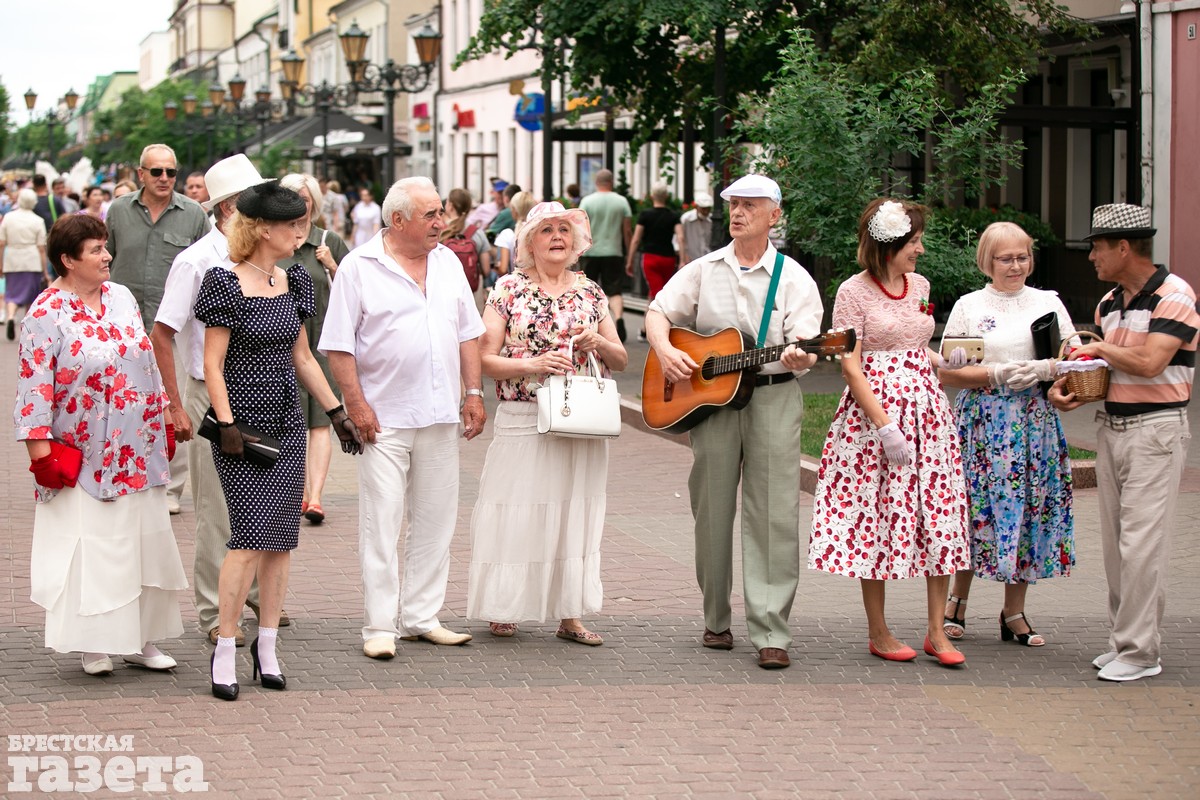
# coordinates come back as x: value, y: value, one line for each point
x: 1118, y: 670
x: 97, y: 664
x: 157, y: 660
x: 1102, y: 661
x: 381, y: 647
x: 442, y: 636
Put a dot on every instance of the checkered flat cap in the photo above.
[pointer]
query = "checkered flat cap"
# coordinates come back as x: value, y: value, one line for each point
x: 1121, y: 221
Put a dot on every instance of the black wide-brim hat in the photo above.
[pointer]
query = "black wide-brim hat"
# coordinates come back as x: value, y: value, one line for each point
x: 1121, y: 221
x: 271, y: 202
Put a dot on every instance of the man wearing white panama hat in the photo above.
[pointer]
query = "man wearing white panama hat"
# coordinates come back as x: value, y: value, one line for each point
x: 1150, y: 324
x: 225, y: 180
x: 756, y: 446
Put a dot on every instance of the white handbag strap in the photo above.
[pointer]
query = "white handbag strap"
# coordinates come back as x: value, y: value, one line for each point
x: 592, y: 363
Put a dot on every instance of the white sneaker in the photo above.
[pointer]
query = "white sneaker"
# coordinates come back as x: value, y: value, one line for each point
x: 1102, y: 661
x: 173, y: 506
x: 1118, y: 670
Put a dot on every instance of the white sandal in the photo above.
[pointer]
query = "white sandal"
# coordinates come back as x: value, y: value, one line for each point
x: 956, y: 627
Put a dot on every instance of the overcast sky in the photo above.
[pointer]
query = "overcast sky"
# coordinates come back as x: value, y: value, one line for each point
x: 55, y: 45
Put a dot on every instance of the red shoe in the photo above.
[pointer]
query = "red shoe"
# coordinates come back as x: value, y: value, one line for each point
x: 905, y: 653
x: 303, y: 507
x: 315, y: 514
x: 951, y: 658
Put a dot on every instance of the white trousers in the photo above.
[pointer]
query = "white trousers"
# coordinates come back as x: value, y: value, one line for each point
x: 181, y: 463
x: 409, y: 472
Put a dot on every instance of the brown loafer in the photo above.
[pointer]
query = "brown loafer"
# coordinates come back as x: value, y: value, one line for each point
x: 718, y: 641
x: 239, y: 638
x: 773, y: 658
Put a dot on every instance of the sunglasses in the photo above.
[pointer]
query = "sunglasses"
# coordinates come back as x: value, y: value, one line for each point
x: 156, y: 172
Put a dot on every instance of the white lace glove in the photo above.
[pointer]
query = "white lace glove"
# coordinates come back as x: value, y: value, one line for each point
x: 895, y: 446
x: 1031, y: 373
x: 957, y: 359
x: 1000, y: 374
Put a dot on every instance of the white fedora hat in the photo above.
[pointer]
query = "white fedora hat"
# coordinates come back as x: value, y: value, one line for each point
x: 227, y: 177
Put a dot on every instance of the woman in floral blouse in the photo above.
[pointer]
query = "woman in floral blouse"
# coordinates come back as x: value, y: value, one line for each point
x: 90, y: 411
x: 540, y: 514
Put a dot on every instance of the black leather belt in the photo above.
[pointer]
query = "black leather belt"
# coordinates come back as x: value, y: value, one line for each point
x: 771, y: 380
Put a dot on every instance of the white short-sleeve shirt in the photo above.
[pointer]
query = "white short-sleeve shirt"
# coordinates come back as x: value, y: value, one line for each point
x: 405, y: 343
x: 178, y: 307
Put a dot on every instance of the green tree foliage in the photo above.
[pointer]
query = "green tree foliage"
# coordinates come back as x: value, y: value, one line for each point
x: 655, y: 57
x: 832, y: 144
x: 121, y: 132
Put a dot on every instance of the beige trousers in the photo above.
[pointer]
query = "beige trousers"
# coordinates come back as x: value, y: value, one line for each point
x: 758, y: 447
x: 1137, y: 472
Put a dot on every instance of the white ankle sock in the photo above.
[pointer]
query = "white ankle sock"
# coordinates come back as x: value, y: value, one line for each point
x: 224, y: 668
x: 267, y: 660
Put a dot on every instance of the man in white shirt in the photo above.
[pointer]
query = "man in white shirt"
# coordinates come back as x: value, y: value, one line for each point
x: 757, y: 445
x: 402, y: 337
x: 226, y: 179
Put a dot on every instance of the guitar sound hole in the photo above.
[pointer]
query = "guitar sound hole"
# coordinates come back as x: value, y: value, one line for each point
x: 706, y: 369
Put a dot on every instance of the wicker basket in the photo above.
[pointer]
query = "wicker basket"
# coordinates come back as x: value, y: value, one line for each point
x: 1091, y: 385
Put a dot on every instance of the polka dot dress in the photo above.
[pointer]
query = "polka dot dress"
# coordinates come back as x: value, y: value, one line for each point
x: 264, y: 504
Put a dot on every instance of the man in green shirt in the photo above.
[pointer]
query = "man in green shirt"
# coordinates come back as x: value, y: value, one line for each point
x: 612, y: 228
x: 146, y: 230
x: 149, y: 227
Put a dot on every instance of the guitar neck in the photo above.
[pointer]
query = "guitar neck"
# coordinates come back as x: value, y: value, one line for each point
x: 752, y: 358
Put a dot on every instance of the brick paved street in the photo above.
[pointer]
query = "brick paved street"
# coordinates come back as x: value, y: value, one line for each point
x: 651, y: 713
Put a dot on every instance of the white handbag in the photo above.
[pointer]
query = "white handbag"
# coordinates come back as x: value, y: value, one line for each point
x: 582, y: 406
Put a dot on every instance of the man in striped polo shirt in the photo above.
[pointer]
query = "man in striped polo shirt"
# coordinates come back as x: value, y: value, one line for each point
x: 1150, y: 323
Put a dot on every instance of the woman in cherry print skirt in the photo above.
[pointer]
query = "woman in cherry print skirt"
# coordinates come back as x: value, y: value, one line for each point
x: 890, y: 500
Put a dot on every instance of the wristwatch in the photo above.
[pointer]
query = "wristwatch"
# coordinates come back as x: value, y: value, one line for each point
x: 476, y: 392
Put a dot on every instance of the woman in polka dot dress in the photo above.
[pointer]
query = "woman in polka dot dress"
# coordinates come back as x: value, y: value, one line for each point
x: 254, y: 349
x: 891, y: 500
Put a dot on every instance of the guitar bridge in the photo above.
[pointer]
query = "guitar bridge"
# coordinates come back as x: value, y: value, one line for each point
x: 668, y: 391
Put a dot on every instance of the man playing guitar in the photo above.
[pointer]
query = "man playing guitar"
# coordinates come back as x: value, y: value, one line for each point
x: 757, y: 446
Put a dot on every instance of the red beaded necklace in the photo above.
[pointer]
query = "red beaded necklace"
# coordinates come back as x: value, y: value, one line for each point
x: 883, y: 288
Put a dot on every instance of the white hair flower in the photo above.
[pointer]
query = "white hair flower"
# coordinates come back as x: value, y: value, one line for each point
x: 889, y: 223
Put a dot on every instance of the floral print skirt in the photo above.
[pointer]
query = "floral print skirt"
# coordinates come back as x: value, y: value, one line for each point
x: 1019, y: 485
x: 882, y: 521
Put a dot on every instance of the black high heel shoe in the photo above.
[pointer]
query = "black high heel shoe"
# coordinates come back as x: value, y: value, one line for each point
x: 1008, y: 634
x: 278, y: 682
x: 956, y: 626
x: 223, y: 691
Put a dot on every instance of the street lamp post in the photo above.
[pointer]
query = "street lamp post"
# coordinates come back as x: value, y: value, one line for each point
x: 322, y: 97
x: 52, y: 117
x: 391, y: 78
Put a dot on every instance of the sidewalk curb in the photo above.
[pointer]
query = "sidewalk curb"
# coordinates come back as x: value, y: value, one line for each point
x: 1083, y: 471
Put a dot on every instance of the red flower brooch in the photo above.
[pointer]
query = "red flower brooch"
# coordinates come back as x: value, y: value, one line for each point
x: 926, y: 306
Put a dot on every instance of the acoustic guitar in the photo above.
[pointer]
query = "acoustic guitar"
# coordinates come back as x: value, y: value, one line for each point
x: 728, y: 362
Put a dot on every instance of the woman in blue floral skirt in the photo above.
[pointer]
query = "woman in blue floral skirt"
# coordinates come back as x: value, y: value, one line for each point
x: 1014, y: 452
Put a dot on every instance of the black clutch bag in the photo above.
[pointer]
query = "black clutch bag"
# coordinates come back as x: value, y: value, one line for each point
x: 1046, y: 340
x: 263, y: 453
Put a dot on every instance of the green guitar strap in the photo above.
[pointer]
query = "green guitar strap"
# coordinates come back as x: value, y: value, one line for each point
x: 770, y: 304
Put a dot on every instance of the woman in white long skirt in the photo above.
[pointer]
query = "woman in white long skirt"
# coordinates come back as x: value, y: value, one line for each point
x: 90, y: 410
x: 538, y: 522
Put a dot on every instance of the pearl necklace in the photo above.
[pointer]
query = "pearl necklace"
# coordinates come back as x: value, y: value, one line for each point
x: 270, y: 275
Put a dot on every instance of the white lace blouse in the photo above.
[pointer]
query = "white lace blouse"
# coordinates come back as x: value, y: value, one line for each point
x: 1003, y: 320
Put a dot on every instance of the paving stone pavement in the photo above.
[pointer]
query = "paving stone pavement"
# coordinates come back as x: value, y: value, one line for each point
x: 650, y: 714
